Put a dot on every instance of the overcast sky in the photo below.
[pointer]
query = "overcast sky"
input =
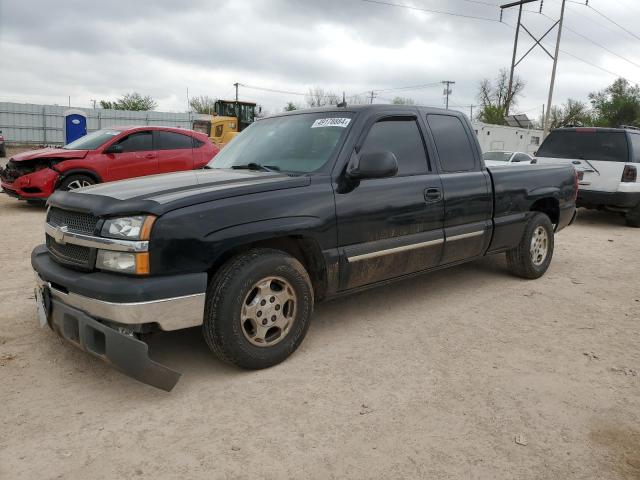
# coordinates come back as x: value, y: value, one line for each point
x: 101, y: 50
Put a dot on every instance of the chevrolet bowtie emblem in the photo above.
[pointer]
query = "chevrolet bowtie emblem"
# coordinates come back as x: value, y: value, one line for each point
x: 58, y: 234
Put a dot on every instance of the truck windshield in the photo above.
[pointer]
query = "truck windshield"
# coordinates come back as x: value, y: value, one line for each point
x: 300, y: 143
x: 497, y: 156
x: 92, y: 140
x: 590, y: 144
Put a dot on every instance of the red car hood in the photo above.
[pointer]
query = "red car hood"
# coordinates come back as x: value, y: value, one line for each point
x: 49, y: 153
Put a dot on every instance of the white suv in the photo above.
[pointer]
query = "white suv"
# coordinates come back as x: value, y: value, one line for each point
x: 607, y: 160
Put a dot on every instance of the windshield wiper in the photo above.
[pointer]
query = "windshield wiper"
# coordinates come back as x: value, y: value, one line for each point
x: 256, y: 166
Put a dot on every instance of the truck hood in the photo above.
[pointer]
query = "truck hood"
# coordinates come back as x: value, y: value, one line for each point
x: 159, y: 194
x: 59, y: 153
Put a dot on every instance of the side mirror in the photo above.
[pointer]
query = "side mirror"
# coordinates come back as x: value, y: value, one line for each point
x: 113, y: 149
x: 374, y: 164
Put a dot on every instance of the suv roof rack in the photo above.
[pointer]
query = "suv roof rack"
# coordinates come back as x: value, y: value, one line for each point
x: 629, y: 127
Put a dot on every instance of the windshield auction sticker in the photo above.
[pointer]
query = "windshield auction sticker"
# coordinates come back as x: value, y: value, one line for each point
x: 331, y: 122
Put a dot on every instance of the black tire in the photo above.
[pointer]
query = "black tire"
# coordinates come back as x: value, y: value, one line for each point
x: 76, y: 181
x: 633, y: 217
x: 3, y: 151
x: 227, y: 292
x: 520, y: 260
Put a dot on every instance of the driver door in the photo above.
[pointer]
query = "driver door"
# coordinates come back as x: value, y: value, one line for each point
x: 389, y: 227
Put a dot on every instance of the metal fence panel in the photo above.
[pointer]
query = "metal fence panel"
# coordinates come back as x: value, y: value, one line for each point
x: 24, y: 123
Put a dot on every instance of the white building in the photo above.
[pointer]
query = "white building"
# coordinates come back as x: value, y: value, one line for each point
x: 511, y: 139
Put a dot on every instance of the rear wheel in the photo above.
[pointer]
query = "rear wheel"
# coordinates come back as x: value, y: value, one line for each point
x: 73, y: 182
x: 258, y: 309
x: 531, y: 258
x: 633, y: 217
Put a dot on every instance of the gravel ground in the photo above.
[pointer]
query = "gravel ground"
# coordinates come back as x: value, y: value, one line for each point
x: 464, y: 373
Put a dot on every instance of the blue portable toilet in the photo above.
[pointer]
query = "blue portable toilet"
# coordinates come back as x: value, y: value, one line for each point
x: 75, y: 125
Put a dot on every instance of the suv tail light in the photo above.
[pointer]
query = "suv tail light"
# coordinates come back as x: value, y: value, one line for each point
x: 630, y: 174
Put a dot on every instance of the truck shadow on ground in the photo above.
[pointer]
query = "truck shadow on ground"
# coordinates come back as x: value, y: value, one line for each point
x: 600, y: 218
x: 186, y: 351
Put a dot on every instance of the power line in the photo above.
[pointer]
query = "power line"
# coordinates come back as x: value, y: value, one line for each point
x: 608, y: 19
x: 410, y: 7
x: 594, y: 42
x: 273, y: 90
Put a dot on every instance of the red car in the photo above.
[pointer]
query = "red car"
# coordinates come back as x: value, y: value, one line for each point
x: 104, y: 156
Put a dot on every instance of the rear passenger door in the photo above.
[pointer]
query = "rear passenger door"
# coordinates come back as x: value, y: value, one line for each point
x: 468, y: 199
x: 175, y: 151
x: 136, y: 159
x: 389, y: 227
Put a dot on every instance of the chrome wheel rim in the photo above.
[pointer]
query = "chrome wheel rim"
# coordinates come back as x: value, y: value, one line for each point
x: 78, y: 184
x: 268, y: 311
x: 539, y: 246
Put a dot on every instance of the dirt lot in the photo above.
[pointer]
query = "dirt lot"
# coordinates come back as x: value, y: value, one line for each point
x: 433, y: 378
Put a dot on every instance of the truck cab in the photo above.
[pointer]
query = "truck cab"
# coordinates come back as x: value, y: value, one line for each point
x: 231, y: 117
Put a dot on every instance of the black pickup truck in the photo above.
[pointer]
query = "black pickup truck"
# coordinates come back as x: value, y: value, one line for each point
x: 299, y: 208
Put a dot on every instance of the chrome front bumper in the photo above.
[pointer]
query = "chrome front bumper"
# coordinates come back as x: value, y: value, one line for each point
x: 168, y: 313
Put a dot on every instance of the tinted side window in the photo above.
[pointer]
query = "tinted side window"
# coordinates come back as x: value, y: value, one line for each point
x: 452, y: 143
x: 588, y: 144
x: 172, y: 140
x: 197, y: 143
x: 635, y: 144
x: 401, y: 137
x: 137, y: 142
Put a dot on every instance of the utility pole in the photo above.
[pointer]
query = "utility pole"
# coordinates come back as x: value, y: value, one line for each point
x: 538, y: 43
x: 94, y: 103
x: 236, y: 85
x: 188, y: 106
x: 447, y: 91
x: 544, y: 120
x: 471, y: 112
x: 553, y: 71
x: 373, y: 95
x: 513, y: 62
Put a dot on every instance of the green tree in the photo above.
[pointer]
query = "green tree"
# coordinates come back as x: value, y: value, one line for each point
x: 573, y: 112
x: 494, y: 96
x: 618, y: 104
x: 131, y: 101
x: 203, y: 104
x: 403, y: 101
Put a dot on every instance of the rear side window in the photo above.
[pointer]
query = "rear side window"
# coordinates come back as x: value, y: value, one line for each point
x: 172, y: 141
x: 197, y: 143
x: 586, y: 145
x: 137, y: 142
x: 399, y: 135
x: 452, y: 143
x: 635, y: 146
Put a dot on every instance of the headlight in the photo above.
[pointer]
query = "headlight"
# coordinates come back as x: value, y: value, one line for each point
x: 137, y: 227
x: 123, y: 262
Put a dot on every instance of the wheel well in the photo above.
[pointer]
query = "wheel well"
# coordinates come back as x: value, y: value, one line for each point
x: 88, y: 173
x: 304, y: 249
x: 550, y: 207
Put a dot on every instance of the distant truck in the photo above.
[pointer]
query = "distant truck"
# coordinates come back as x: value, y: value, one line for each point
x: 229, y: 119
x: 301, y: 207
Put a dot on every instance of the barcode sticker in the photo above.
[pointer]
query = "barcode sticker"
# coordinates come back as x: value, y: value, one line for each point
x: 331, y: 122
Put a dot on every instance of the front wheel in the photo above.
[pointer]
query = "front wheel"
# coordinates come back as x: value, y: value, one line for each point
x: 73, y: 182
x: 258, y: 309
x: 531, y: 258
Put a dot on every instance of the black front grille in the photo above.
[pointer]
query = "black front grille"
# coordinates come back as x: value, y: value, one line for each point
x: 75, y: 221
x: 69, y: 254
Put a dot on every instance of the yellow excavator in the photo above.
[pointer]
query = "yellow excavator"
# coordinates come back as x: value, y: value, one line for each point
x: 229, y: 119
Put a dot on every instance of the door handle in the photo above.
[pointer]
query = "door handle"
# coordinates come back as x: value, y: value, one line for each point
x: 432, y: 195
x: 150, y: 155
x: 577, y: 162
